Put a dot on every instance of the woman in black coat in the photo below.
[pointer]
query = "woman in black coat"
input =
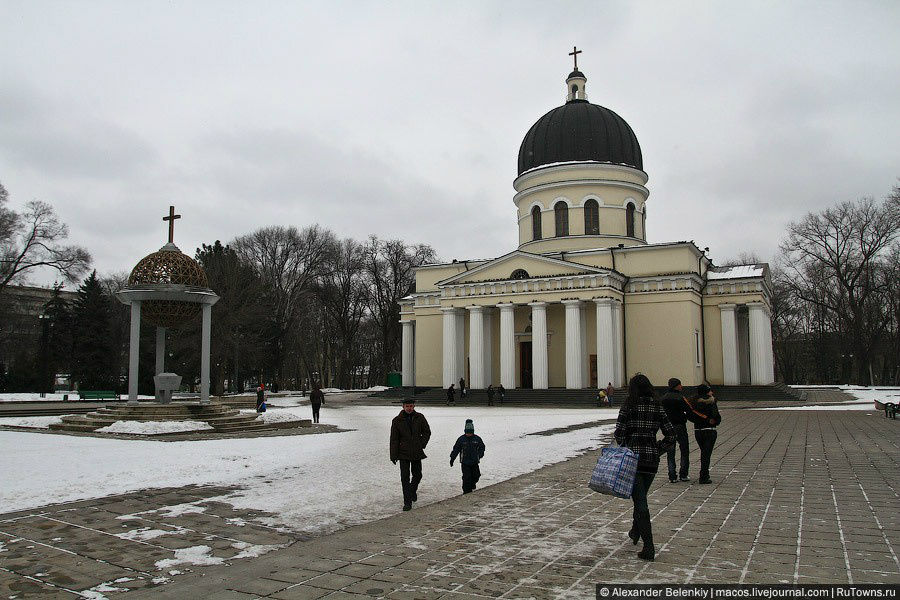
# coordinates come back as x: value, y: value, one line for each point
x: 639, y: 419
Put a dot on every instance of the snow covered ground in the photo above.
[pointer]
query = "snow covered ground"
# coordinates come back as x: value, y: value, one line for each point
x: 155, y: 427
x: 865, y: 399
x: 310, y: 482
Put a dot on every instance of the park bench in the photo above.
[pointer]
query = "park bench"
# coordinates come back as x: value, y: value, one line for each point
x: 97, y: 394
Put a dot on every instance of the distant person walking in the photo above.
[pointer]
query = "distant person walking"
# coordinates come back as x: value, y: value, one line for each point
x: 316, y: 400
x: 679, y: 411
x: 490, y: 394
x: 609, y: 393
x: 501, y: 393
x: 640, y: 417
x: 409, y: 436
x: 261, y: 398
x: 470, y: 449
x: 706, y: 419
x: 451, y: 395
x: 462, y: 388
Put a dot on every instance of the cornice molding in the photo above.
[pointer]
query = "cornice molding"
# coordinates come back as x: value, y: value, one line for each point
x: 575, y: 166
x: 559, y: 184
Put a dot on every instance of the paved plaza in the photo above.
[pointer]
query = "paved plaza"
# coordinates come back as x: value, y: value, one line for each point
x: 797, y: 497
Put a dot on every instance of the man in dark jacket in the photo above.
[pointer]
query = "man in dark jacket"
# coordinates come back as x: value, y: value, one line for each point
x: 451, y: 394
x: 316, y: 400
x: 470, y: 449
x: 409, y: 436
x: 677, y: 409
x: 706, y: 418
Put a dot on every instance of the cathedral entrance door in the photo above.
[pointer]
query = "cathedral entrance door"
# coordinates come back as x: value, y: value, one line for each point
x: 525, y: 364
x: 593, y: 370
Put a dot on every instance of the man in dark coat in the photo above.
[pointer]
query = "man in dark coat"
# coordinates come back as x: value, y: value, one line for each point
x: 316, y: 400
x: 261, y: 398
x: 470, y: 449
x: 490, y: 394
x: 678, y: 411
x: 409, y: 436
x: 451, y: 395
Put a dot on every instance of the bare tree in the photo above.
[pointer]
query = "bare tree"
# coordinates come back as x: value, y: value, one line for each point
x: 836, y: 261
x: 289, y: 262
x: 343, y: 294
x: 34, y: 239
x: 390, y: 266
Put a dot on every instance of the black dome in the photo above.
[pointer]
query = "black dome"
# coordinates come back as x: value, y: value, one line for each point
x: 579, y: 130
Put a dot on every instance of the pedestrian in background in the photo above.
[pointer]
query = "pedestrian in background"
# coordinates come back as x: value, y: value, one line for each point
x: 490, y: 394
x: 451, y: 395
x: 316, y: 400
x: 678, y: 410
x: 706, y: 419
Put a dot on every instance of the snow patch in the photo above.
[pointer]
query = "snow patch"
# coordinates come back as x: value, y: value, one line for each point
x: 142, y: 534
x: 31, y: 422
x: 155, y: 427
x: 278, y: 415
x: 248, y: 550
x: 195, y: 555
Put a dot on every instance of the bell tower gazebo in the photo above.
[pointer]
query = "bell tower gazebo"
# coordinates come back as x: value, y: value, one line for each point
x: 167, y: 288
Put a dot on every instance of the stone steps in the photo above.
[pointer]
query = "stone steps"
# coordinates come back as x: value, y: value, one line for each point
x: 222, y: 418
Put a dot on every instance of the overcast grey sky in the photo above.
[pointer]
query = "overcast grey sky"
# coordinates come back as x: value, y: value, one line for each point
x: 404, y: 119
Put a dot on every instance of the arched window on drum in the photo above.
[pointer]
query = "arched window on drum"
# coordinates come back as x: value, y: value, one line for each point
x: 629, y: 220
x: 591, y: 217
x: 536, y: 223
x: 561, y: 212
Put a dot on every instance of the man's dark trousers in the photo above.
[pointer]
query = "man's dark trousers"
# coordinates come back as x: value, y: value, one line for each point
x: 410, y: 486
x: 682, y: 438
x: 706, y: 439
x: 315, y: 410
x: 470, y: 476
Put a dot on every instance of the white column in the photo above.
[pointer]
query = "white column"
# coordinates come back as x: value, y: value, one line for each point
x: 451, y: 354
x: 488, y: 345
x: 585, y: 359
x: 204, y: 353
x: 619, y: 343
x: 574, y: 360
x: 760, y: 346
x: 606, y: 343
x: 408, y: 357
x: 476, y: 347
x: 771, y: 350
x: 507, y: 346
x: 730, y: 371
x: 540, y: 373
x: 134, y: 351
x: 461, y: 345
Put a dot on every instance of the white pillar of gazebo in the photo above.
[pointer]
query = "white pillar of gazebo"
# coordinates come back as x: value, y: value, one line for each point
x: 134, y: 347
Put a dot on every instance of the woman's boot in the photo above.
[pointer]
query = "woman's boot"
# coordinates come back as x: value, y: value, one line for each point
x: 649, y: 551
x: 635, y: 532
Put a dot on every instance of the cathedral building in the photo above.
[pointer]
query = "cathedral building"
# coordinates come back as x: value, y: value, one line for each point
x: 585, y: 300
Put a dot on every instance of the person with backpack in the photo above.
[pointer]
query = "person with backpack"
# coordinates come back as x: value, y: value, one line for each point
x: 640, y: 417
x: 706, y: 419
x: 261, y: 398
x: 470, y: 449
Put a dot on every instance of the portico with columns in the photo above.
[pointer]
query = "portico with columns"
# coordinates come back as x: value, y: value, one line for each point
x: 585, y: 299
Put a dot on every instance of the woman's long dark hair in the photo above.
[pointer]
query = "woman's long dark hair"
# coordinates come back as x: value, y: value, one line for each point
x: 640, y: 387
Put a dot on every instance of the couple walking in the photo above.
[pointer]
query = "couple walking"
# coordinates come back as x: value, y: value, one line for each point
x: 640, y: 417
x: 410, y: 433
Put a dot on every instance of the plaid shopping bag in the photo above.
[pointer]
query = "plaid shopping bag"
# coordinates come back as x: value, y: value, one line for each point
x: 614, y: 473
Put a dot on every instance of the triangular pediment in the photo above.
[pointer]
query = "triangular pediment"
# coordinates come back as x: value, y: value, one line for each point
x: 536, y: 265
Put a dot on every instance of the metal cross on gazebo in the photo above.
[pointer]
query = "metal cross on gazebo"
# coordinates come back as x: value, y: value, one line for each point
x: 171, y: 219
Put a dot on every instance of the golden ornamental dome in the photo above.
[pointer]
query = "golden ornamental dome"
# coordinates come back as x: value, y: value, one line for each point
x: 168, y: 266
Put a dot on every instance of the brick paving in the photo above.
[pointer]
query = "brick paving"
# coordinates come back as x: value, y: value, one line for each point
x: 797, y: 497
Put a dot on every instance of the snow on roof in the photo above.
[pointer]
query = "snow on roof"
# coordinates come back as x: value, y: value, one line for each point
x: 736, y: 272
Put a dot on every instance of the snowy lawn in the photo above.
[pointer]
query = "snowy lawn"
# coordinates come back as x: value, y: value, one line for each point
x: 310, y: 482
x: 32, y: 422
x: 280, y: 415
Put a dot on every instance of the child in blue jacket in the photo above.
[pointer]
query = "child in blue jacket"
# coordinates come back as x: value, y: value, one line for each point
x: 470, y: 448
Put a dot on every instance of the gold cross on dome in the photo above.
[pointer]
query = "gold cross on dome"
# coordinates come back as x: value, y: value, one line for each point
x: 574, y: 54
x: 171, y: 219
